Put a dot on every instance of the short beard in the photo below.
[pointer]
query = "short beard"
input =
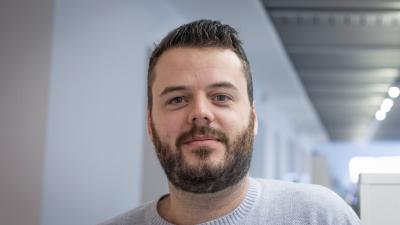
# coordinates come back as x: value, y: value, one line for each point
x: 204, y: 178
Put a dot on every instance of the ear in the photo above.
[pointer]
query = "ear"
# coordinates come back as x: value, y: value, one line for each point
x: 255, y: 130
x: 149, y: 131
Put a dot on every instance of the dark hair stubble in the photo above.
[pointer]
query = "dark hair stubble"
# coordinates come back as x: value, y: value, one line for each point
x: 204, y: 178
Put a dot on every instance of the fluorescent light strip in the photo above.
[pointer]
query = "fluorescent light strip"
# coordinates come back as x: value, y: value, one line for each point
x: 387, y: 103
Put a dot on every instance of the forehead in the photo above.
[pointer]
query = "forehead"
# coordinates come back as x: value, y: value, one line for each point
x: 180, y: 66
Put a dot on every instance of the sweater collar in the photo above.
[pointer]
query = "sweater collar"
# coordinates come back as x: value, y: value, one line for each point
x: 234, y: 217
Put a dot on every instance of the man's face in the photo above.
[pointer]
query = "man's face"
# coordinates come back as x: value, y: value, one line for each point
x: 202, y: 123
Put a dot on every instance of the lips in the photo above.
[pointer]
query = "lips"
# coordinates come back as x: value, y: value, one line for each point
x: 201, y: 136
x: 200, y: 139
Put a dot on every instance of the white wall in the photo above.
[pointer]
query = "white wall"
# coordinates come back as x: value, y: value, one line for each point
x: 96, y: 128
x: 321, y: 174
x: 25, y: 47
x: 285, y: 151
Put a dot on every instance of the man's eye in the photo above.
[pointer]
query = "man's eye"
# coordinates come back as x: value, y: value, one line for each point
x: 221, y: 98
x: 176, y: 100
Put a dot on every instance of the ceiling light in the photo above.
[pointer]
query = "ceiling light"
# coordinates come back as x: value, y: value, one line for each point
x: 380, y: 115
x: 386, y: 105
x: 394, y: 92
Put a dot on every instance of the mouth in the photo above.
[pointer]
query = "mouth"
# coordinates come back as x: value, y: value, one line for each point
x: 201, y: 140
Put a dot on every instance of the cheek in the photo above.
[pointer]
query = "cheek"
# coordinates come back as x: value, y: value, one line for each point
x: 168, y: 127
x: 233, y: 120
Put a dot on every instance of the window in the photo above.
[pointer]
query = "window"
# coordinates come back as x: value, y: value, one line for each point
x: 358, y: 165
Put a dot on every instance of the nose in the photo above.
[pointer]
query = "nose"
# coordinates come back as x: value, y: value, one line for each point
x: 201, y: 112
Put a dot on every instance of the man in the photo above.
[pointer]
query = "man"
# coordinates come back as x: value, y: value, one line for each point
x: 202, y: 120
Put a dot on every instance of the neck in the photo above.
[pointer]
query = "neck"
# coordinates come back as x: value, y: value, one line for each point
x: 187, y: 208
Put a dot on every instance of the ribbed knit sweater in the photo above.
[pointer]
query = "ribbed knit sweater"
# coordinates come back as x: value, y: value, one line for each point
x: 267, y: 202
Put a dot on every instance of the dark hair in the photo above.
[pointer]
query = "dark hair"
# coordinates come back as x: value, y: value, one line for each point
x: 201, y: 34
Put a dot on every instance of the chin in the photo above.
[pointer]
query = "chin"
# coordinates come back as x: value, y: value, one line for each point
x: 205, y: 156
x: 205, y: 163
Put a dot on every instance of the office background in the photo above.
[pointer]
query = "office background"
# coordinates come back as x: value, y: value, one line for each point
x: 73, y: 142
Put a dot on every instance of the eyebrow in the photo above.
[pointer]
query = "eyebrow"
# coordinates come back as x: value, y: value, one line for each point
x: 172, y: 89
x: 222, y: 84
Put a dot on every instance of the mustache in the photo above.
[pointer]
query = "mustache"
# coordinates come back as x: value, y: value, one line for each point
x: 201, y: 130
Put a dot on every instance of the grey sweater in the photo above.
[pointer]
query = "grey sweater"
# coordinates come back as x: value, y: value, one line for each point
x: 267, y: 202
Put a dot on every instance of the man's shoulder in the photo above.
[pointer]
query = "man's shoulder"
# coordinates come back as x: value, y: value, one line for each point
x: 307, y: 201
x: 137, y: 216
x: 299, y: 191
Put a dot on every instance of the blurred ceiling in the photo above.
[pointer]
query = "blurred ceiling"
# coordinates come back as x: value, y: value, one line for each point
x: 347, y: 55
